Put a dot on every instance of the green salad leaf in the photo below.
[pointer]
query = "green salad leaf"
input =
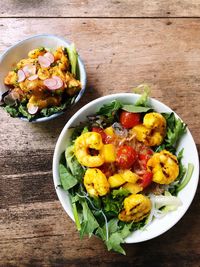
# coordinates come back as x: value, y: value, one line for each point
x: 66, y: 178
x: 73, y: 57
x: 117, y: 238
x: 89, y: 223
x: 135, y: 109
x: 113, y: 202
x: 110, y: 109
x: 144, y: 98
x: 72, y: 163
x: 12, y: 110
x: 175, y: 129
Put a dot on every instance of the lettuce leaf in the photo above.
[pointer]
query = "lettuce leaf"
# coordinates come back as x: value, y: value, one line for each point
x: 66, y: 178
x: 73, y: 58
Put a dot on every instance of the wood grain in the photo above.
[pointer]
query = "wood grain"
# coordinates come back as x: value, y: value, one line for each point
x: 41, y: 234
x: 119, y: 54
x: 104, y: 8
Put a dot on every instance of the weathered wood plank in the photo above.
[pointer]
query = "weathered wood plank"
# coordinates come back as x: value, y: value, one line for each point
x: 118, y: 54
x: 95, y: 8
x: 41, y: 233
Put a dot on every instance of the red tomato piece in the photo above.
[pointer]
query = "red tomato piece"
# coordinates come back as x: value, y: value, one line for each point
x: 107, y: 169
x: 126, y: 157
x: 129, y: 119
x: 146, y: 179
x: 102, y: 133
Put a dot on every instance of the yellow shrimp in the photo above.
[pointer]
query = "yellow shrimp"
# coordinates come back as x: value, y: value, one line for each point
x: 96, y: 182
x: 136, y: 208
x: 164, y: 166
x: 152, y: 131
x: 83, y: 143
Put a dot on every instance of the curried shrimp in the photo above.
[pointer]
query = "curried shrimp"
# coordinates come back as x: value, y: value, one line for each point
x: 164, y: 166
x: 96, y: 182
x: 86, y: 141
x: 136, y: 208
x: 152, y: 131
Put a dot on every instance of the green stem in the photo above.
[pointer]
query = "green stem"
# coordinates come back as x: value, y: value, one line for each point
x: 75, y: 212
x: 187, y: 177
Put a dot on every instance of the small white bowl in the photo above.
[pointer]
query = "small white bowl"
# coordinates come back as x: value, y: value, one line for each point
x: 20, y: 50
x: 157, y: 226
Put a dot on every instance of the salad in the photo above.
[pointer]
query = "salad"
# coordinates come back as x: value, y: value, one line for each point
x: 42, y: 84
x: 122, y: 170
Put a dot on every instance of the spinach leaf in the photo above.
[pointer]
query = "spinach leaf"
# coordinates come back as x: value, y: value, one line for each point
x: 66, y: 178
x: 135, y: 109
x: 72, y: 163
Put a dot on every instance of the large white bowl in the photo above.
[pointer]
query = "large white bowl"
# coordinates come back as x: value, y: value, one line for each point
x: 158, y: 226
x: 20, y: 50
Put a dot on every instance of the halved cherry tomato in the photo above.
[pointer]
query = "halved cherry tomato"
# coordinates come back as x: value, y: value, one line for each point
x: 144, y: 156
x: 107, y: 169
x: 129, y: 119
x: 126, y: 157
x: 146, y: 179
x: 102, y: 133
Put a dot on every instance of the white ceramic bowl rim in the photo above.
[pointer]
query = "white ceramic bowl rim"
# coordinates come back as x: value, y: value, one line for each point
x: 80, y: 64
x: 158, y: 226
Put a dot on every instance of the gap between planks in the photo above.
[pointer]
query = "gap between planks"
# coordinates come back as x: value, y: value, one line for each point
x: 96, y: 17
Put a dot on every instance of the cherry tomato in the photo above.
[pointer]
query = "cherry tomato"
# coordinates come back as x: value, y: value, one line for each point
x: 144, y: 156
x: 102, y: 133
x: 126, y: 156
x: 129, y: 119
x: 107, y: 169
x: 146, y: 179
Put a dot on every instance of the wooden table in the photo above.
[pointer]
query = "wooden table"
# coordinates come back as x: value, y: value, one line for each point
x: 123, y: 43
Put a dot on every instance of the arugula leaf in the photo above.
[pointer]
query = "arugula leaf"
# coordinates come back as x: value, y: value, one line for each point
x: 66, y: 178
x: 46, y: 112
x: 121, y: 192
x: 144, y: 98
x: 13, y: 111
x: 117, y: 238
x: 89, y: 223
x: 73, y: 58
x: 113, y: 202
x: 135, y: 109
x: 23, y: 110
x: 110, y: 109
x: 78, y: 130
x: 175, y: 129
